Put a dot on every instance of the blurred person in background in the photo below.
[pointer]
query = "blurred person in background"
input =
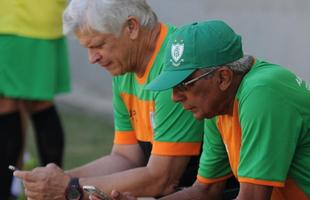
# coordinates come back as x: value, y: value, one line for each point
x: 33, y: 69
x: 157, y: 144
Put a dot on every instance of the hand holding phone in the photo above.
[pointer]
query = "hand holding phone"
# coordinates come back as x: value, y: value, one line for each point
x: 95, y: 191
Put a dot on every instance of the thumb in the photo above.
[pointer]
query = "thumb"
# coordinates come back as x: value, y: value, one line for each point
x: 115, y: 194
x: 20, y: 174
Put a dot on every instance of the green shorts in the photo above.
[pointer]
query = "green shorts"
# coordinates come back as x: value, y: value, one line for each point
x: 33, y: 69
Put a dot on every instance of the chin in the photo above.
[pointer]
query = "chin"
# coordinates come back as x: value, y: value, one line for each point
x: 209, y: 116
x: 201, y: 116
x: 198, y: 116
x: 115, y: 73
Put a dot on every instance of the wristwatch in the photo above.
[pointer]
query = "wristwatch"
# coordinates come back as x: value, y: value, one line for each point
x: 74, y: 190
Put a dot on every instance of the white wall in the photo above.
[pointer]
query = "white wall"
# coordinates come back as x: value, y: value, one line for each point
x: 277, y: 30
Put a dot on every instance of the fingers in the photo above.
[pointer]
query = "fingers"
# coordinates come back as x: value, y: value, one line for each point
x: 93, y: 197
x: 29, y: 194
x: 24, y: 175
x: 116, y: 195
x: 52, y: 165
x: 29, y: 176
x: 37, y: 173
x: 44, y: 183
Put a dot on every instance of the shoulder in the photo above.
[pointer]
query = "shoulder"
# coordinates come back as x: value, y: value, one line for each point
x: 266, y: 80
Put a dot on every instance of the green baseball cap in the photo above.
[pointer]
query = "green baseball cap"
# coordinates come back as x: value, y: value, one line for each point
x: 197, y: 45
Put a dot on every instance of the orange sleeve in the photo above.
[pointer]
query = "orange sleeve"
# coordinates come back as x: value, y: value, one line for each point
x: 125, y: 137
x: 176, y: 148
x: 213, y: 180
x: 260, y: 182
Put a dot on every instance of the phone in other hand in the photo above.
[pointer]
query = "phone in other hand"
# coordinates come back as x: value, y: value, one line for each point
x: 96, y: 191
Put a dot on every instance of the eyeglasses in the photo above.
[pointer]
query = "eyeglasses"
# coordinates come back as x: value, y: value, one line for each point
x: 183, y: 86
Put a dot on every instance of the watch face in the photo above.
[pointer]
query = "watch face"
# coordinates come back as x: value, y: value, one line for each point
x: 73, y: 194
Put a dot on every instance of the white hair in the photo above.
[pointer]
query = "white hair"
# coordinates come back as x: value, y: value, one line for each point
x: 240, y: 66
x: 106, y: 16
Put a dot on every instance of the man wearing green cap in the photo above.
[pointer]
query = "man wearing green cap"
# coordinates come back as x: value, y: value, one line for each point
x: 257, y: 125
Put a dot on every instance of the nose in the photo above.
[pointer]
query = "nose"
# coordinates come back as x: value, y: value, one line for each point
x: 93, y: 56
x: 177, y: 95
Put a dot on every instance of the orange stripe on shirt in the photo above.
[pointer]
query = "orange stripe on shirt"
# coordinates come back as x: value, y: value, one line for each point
x: 260, y: 182
x: 140, y: 111
x: 176, y: 148
x: 125, y: 137
x: 213, y: 180
x: 160, y: 40
x: 230, y: 129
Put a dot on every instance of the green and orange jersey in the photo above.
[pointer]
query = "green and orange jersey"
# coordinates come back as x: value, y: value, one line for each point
x: 266, y: 141
x: 147, y: 116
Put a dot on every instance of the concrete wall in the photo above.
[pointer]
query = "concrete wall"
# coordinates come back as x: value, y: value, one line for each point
x: 275, y: 30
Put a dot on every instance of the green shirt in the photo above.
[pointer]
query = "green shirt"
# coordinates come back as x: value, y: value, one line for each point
x: 267, y: 139
x: 148, y: 116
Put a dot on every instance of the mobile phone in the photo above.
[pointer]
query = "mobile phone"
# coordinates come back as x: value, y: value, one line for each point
x: 95, y: 191
x: 12, y: 168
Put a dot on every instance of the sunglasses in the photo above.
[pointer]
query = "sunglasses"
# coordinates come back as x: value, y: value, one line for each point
x: 183, y: 86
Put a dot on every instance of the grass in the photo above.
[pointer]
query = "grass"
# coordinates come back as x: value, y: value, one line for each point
x: 87, y: 138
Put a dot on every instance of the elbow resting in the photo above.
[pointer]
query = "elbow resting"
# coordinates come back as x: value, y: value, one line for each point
x: 161, y: 185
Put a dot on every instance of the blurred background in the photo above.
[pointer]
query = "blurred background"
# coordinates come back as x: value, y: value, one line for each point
x: 275, y: 30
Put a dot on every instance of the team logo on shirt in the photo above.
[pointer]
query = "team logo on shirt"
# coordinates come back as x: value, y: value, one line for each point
x: 177, y: 50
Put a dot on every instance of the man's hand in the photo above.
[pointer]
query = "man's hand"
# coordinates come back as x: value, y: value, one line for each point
x: 44, y: 183
x: 122, y: 196
x: 115, y: 195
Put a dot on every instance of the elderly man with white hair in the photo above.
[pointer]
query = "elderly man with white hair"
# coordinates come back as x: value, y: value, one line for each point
x: 157, y: 144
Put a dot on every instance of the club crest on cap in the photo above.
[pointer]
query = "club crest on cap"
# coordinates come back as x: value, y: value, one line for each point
x: 177, y: 49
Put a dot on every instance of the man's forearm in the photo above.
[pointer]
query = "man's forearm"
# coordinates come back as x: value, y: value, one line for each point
x: 190, y: 193
x: 199, y: 191
x: 139, y: 181
x: 159, y: 177
x: 103, y: 166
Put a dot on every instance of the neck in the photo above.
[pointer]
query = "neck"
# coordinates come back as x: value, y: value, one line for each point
x: 232, y: 93
x: 146, y: 48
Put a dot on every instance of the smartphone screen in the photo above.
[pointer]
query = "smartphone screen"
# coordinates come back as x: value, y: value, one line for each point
x: 95, y: 191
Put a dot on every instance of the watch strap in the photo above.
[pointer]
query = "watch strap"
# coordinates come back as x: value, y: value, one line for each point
x: 74, y: 184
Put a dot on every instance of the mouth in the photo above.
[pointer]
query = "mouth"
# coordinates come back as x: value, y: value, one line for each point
x: 193, y: 110
x: 106, y: 64
x: 189, y: 108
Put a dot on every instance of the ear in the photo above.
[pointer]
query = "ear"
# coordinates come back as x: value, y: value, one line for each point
x: 225, y: 78
x: 132, y: 27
